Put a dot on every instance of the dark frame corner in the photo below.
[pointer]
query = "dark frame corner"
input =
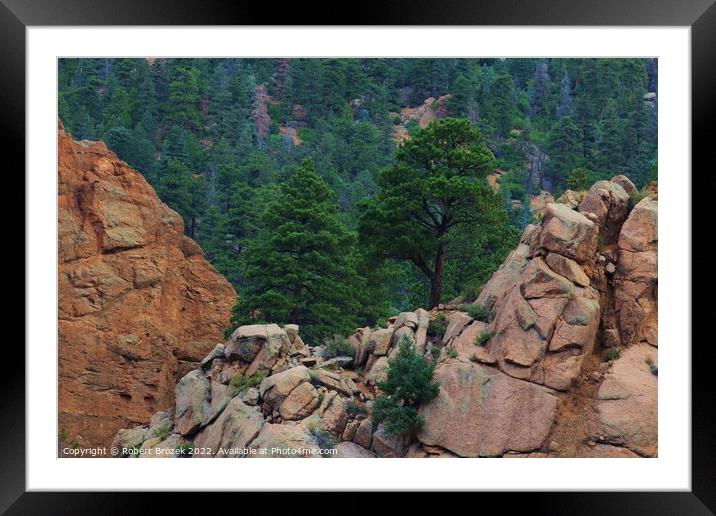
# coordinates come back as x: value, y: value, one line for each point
x: 700, y: 15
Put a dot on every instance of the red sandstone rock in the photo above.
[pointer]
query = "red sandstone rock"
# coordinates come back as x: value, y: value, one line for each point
x: 137, y: 299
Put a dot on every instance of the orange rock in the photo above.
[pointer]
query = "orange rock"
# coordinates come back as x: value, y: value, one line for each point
x: 137, y: 300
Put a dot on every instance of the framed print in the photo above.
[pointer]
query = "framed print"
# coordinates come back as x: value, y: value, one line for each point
x: 432, y: 234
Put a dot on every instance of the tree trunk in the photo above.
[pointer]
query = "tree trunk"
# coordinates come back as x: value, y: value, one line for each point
x: 436, y: 282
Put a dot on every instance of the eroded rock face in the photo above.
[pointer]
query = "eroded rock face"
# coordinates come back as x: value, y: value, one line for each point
x: 138, y: 302
x: 627, y: 402
x: 481, y: 412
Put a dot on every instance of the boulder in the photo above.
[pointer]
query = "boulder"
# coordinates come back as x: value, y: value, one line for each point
x: 231, y: 432
x: 331, y: 380
x: 246, y: 342
x: 379, y: 342
x: 128, y: 439
x: 569, y: 233
x: 349, y: 450
x: 364, y: 433
x: 388, y: 446
x: 275, y: 388
x: 481, y: 412
x: 192, y: 395
x: 300, y: 403
x: 627, y: 402
x: 507, y: 274
x: 378, y: 372
x: 409, y: 319
x: 456, y: 322
x: 284, y: 441
x: 421, y: 333
x: 608, y: 202
x: 567, y: 268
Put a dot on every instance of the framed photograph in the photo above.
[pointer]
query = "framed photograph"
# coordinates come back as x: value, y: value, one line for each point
x: 430, y: 234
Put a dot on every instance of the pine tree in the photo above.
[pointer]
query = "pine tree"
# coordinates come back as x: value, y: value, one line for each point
x: 298, y: 269
x: 434, y: 190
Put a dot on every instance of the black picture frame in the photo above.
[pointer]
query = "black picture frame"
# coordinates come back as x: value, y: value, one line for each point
x: 700, y: 15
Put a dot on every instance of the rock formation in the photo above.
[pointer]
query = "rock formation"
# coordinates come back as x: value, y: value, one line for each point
x: 138, y: 302
x: 557, y: 358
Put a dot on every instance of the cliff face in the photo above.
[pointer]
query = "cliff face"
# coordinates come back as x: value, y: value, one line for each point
x: 138, y: 303
x: 562, y: 361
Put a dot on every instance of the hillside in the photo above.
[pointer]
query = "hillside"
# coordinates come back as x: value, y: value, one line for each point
x: 216, y: 137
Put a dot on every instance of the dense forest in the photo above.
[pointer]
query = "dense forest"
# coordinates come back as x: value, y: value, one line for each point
x: 315, y: 189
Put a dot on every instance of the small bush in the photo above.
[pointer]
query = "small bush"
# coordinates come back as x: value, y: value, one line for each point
x: 483, y: 338
x: 435, y: 352
x: 612, y: 354
x: 451, y: 353
x: 243, y: 383
x: 437, y: 327
x: 186, y: 449
x: 354, y: 408
x: 162, y: 432
x: 337, y: 346
x: 321, y: 395
x: 62, y: 435
x: 408, y: 384
x: 477, y: 312
x: 313, y: 378
x: 323, y: 437
x: 635, y: 196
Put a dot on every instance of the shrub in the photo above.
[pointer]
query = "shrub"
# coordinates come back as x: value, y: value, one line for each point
x: 408, y: 384
x: 477, y: 312
x: 354, y: 408
x: 162, y: 432
x: 242, y: 383
x: 483, y: 338
x: 337, y: 346
x: 435, y: 352
x: 612, y: 354
x: 437, y: 327
x: 186, y: 449
x: 323, y: 437
x: 580, y: 179
x: 62, y: 435
x: 635, y: 196
x: 451, y: 353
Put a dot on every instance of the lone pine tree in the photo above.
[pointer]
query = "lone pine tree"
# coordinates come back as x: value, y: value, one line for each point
x: 435, y: 191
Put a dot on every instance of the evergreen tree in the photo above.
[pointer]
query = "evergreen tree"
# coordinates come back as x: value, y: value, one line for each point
x: 298, y: 269
x: 433, y: 191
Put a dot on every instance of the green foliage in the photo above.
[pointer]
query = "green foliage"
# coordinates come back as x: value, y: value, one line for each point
x: 433, y: 195
x: 162, y: 431
x: 477, y: 312
x: 62, y: 435
x: 300, y: 269
x: 635, y: 196
x: 185, y: 450
x: 451, y: 353
x: 437, y: 326
x: 354, y: 408
x: 188, y: 125
x: 323, y: 437
x: 336, y: 346
x: 580, y: 179
x: 613, y: 354
x: 483, y: 338
x: 242, y: 383
x: 408, y: 384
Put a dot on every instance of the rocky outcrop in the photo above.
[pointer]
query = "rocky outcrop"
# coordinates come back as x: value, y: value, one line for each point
x: 138, y: 302
x: 558, y: 357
